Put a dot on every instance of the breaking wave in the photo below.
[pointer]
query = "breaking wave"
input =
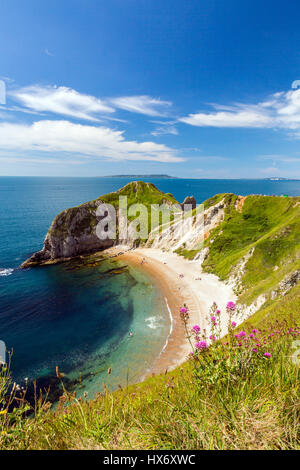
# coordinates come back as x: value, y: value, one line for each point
x: 6, y: 271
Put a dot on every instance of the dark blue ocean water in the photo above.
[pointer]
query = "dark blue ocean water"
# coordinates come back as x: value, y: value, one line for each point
x: 79, y: 319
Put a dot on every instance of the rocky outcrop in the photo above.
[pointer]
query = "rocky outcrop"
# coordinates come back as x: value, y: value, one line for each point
x: 287, y: 283
x: 189, y: 203
x: 74, y: 231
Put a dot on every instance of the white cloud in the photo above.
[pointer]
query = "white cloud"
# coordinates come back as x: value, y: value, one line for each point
x: 238, y: 118
x: 45, y: 161
x: 142, y: 104
x: 280, y: 158
x: 281, y: 110
x: 47, y: 52
x: 165, y: 130
x: 80, y: 140
x: 270, y: 171
x: 61, y: 100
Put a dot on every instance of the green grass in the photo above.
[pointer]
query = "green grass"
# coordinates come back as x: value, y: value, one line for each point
x: 188, y: 254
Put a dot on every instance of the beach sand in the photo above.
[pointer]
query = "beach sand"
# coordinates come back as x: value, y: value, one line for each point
x: 182, y: 282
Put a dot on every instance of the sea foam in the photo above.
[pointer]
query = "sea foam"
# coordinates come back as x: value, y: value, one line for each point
x: 6, y: 271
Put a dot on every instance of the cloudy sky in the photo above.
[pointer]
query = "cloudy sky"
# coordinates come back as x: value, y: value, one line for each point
x: 192, y: 88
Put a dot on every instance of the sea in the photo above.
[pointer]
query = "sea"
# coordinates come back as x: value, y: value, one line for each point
x: 91, y: 318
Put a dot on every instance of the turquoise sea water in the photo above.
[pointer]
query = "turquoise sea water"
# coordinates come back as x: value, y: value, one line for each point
x: 79, y: 318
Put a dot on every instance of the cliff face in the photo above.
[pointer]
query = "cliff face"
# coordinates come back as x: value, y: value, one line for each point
x: 188, y: 233
x: 73, y: 231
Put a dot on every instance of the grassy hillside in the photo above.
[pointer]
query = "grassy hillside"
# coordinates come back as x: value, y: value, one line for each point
x: 268, y: 229
x: 139, y: 192
x: 241, y: 393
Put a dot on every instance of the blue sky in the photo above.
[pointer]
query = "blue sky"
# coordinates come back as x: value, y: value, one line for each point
x: 191, y: 88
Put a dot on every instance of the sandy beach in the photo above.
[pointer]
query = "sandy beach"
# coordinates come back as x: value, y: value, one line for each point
x: 182, y: 282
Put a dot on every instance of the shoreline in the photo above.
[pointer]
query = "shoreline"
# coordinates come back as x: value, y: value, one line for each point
x: 176, y: 348
x: 182, y: 282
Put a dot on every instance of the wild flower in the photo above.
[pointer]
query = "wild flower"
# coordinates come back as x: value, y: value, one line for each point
x: 196, y: 328
x: 244, y: 353
x: 242, y: 334
x: 218, y: 312
x: 201, y: 345
x: 231, y: 306
x: 184, y: 313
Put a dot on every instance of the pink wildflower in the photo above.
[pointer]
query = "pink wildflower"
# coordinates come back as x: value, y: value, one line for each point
x: 267, y: 354
x: 233, y: 324
x: 218, y: 312
x: 231, y: 306
x: 183, y: 310
x: 196, y: 328
x: 213, y: 319
x: 201, y: 345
